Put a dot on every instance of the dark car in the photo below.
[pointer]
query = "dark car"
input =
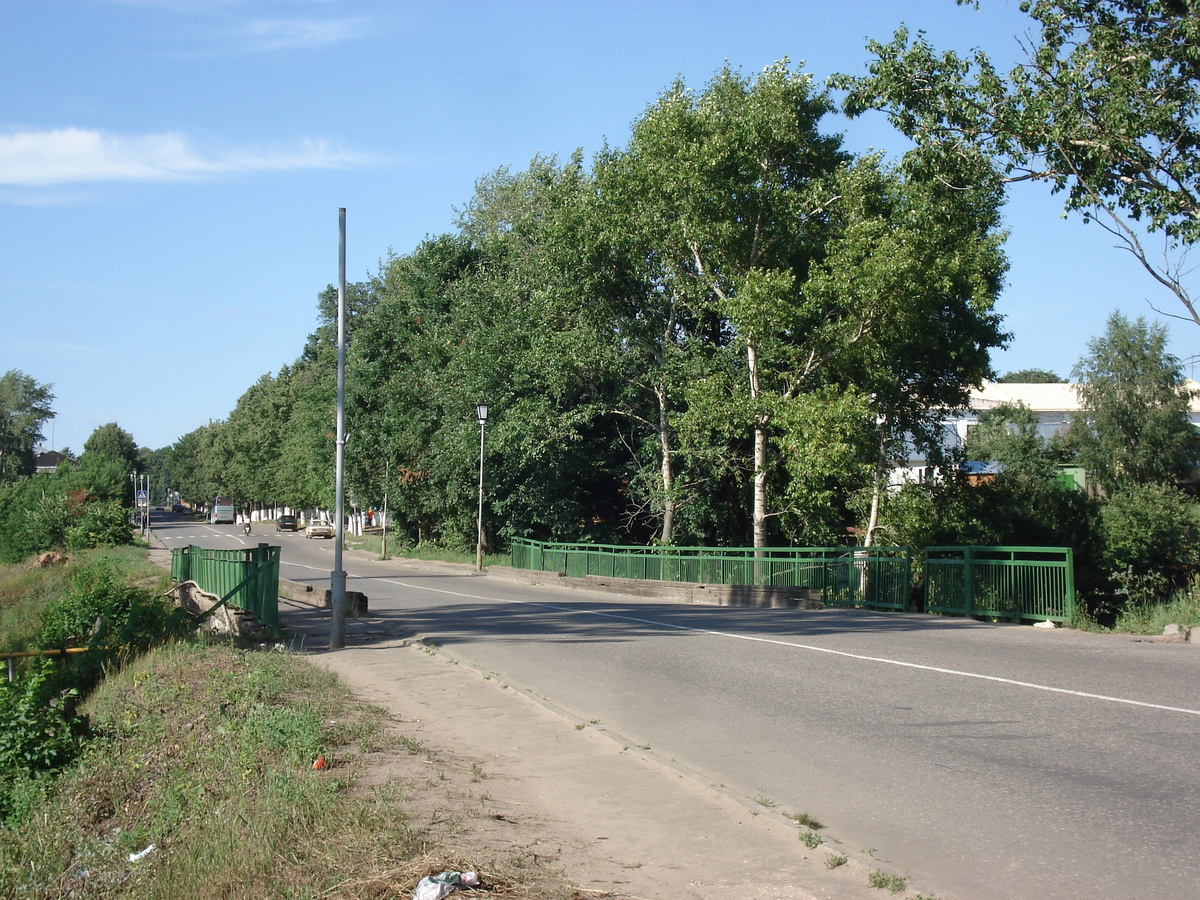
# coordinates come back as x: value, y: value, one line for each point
x: 286, y: 523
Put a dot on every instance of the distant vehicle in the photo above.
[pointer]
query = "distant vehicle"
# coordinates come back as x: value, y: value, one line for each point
x: 286, y: 523
x: 178, y: 508
x: 223, y: 511
x: 318, y: 529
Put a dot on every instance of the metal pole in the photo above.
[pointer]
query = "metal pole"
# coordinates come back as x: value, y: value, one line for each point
x: 337, y: 578
x: 479, y: 528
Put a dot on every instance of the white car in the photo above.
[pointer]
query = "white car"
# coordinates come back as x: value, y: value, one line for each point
x: 318, y: 529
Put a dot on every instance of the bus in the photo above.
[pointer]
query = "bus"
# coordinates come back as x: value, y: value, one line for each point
x: 223, y: 511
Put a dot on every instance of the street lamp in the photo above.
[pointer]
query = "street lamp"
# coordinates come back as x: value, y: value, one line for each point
x: 481, y: 412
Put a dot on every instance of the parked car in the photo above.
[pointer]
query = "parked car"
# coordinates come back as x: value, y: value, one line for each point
x: 318, y: 529
x: 286, y: 523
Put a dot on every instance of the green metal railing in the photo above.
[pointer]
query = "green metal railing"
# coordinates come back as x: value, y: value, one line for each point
x: 246, y: 579
x: 1015, y: 583
x: 859, y: 576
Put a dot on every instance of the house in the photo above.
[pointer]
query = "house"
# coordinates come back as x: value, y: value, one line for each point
x: 1054, y: 405
x: 46, y: 461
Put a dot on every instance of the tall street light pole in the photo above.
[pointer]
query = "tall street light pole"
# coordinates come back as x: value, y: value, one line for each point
x: 481, y: 412
x: 337, y: 578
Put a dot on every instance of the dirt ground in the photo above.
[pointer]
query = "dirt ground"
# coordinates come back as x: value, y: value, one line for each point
x: 507, y: 775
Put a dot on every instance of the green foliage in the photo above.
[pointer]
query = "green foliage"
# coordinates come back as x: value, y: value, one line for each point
x: 34, y: 735
x: 692, y: 342
x: 195, y: 751
x: 1014, y: 510
x: 1009, y: 435
x: 1031, y: 376
x: 71, y: 508
x: 105, y: 611
x: 1133, y: 425
x: 1153, y: 614
x: 24, y: 408
x: 112, y: 443
x: 1152, y: 530
x: 1105, y: 109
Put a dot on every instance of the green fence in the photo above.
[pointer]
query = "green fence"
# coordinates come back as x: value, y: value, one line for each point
x: 1014, y: 583
x: 876, y: 576
x: 246, y: 579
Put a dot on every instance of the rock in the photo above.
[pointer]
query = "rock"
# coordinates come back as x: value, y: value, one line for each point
x: 53, y: 558
x: 1175, y: 631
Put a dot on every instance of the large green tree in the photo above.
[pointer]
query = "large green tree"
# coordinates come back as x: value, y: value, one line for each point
x: 24, y: 409
x: 1105, y: 108
x: 1133, y: 425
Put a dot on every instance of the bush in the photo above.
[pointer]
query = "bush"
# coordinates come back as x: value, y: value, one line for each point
x: 1151, y: 536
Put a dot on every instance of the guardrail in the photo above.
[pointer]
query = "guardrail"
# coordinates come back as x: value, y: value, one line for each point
x: 856, y: 576
x: 1015, y: 583
x: 245, y: 578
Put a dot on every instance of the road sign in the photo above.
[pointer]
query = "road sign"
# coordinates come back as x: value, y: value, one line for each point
x: 143, y: 498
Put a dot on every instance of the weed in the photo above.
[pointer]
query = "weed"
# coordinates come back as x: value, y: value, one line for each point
x: 763, y: 800
x: 579, y: 726
x: 880, y: 879
x: 834, y: 860
x: 806, y: 820
x: 811, y: 839
x: 594, y: 721
x: 477, y: 773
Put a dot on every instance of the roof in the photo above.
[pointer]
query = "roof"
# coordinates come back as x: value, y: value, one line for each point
x: 1044, y: 397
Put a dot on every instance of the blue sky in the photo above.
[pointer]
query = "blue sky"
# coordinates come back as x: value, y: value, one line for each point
x: 171, y: 170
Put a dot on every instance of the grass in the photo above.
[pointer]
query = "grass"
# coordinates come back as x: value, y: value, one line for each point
x: 200, y: 766
x: 893, y: 883
x: 835, y: 860
x: 25, y: 590
x: 1151, y: 618
x: 806, y: 820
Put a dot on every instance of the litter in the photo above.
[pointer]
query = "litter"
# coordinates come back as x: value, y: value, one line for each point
x: 142, y: 854
x: 435, y: 887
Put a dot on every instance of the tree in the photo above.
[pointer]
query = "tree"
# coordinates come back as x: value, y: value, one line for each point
x: 1106, y: 108
x: 1030, y: 376
x: 1008, y: 434
x: 1133, y: 425
x: 24, y: 408
x: 111, y: 442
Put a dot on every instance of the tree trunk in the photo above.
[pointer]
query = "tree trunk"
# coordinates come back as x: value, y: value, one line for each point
x: 668, y: 474
x: 759, y: 515
x: 877, y: 489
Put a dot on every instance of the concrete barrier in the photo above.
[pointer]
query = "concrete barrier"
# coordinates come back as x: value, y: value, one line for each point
x: 356, y: 601
x: 762, y: 596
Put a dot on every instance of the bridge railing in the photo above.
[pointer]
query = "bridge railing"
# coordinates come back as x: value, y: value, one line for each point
x: 858, y: 576
x: 244, y: 578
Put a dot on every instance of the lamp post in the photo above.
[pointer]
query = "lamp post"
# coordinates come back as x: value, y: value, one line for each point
x: 481, y: 412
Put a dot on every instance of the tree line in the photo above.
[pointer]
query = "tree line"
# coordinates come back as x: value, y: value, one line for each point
x: 721, y: 333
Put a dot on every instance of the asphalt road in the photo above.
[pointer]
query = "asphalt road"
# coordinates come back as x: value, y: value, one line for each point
x: 988, y: 761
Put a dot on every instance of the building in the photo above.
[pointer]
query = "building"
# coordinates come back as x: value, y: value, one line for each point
x: 1054, y: 405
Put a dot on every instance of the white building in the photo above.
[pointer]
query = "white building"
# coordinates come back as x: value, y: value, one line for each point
x: 1054, y: 405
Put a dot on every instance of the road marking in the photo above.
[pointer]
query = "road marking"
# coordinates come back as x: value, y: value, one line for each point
x: 843, y: 653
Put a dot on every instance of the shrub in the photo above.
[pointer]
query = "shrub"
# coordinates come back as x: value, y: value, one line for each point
x: 1151, y: 536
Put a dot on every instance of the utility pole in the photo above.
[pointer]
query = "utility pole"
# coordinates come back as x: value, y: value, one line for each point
x: 337, y: 578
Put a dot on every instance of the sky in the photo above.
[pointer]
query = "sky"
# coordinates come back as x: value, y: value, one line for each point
x: 171, y: 170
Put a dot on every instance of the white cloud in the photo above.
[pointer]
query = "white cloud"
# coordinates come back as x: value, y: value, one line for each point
x: 286, y: 34
x: 74, y: 155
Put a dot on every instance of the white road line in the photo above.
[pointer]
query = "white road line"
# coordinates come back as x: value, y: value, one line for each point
x: 782, y: 643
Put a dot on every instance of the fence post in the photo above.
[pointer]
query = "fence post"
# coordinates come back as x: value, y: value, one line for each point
x: 968, y: 581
